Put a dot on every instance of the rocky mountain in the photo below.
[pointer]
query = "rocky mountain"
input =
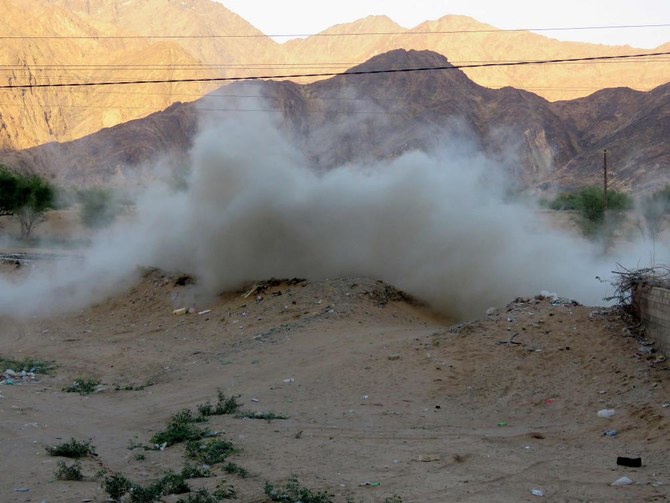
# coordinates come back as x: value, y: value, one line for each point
x: 364, y: 118
x: 117, y: 40
x: 632, y: 126
x: 464, y: 40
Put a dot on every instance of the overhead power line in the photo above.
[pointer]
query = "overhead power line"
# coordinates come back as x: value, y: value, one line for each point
x: 322, y: 34
x: 333, y: 74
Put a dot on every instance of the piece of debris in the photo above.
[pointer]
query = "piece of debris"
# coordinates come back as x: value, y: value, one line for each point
x: 290, y: 380
x: 206, y: 311
x: 623, y: 481
x: 632, y: 462
x: 537, y: 492
x: 610, y: 433
x: 179, y: 312
x: 371, y: 484
x: 606, y: 413
x: 426, y: 458
x: 394, y: 356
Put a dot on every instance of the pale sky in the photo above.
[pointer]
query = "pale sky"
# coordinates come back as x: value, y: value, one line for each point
x: 281, y: 17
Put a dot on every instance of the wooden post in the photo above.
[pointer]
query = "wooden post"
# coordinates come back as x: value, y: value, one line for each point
x: 605, y: 176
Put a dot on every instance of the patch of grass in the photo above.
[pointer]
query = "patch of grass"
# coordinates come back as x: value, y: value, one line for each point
x: 180, y: 428
x: 139, y: 457
x: 72, y: 472
x: 210, y: 453
x: 268, y: 416
x: 27, y: 364
x: 82, y: 385
x: 394, y: 498
x: 235, y: 469
x: 72, y: 449
x: 293, y: 492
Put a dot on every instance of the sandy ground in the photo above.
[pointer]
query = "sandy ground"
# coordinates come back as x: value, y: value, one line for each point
x: 376, y: 389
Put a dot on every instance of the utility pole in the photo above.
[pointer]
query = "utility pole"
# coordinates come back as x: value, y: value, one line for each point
x: 605, y: 176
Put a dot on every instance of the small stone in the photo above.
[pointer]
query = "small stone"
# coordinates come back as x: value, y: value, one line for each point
x: 623, y: 481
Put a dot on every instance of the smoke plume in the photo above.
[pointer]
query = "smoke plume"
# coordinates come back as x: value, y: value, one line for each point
x: 434, y: 224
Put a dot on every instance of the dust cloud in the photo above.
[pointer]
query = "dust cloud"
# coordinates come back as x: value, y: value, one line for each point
x: 436, y: 225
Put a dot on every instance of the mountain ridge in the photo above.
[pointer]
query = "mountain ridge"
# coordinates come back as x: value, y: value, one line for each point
x: 363, y: 119
x: 203, y: 30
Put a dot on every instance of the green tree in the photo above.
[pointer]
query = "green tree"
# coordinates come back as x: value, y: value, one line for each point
x: 27, y: 197
x: 99, y: 207
x: 589, y: 203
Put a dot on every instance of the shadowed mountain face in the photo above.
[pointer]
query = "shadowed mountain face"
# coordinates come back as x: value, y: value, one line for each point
x: 121, y: 40
x: 365, y: 118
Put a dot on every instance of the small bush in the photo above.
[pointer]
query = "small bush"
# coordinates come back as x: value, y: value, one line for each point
x: 144, y: 494
x: 116, y: 486
x: 213, y: 452
x: 72, y: 472
x: 225, y: 491
x: 235, y: 469
x: 173, y: 483
x: 293, y: 492
x: 224, y: 405
x: 72, y: 449
x: 200, y: 496
x: 195, y: 472
x: 180, y: 428
x: 99, y: 207
x: 83, y: 386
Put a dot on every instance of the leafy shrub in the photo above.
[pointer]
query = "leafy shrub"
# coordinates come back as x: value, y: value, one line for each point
x: 116, y: 486
x: 210, y: 453
x: 72, y: 449
x: 195, y: 472
x: 224, y: 405
x: 180, y: 428
x: 293, y: 492
x: 173, y: 483
x: 235, y: 469
x: 72, y: 472
x: 82, y: 385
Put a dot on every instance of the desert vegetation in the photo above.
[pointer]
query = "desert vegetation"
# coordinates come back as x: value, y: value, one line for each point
x: 26, y: 197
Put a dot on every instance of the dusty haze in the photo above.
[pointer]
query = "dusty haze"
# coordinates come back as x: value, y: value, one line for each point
x: 436, y: 225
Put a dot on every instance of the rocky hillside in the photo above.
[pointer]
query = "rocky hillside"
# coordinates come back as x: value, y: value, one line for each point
x: 195, y: 43
x: 362, y: 118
